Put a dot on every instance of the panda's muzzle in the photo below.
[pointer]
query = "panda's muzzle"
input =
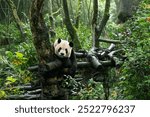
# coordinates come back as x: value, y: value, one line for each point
x: 62, y: 54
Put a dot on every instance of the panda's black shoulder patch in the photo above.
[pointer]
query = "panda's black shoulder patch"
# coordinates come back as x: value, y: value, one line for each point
x: 59, y: 40
x: 70, y: 44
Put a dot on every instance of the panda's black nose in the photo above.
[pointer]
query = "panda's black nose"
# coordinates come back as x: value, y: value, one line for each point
x: 62, y: 54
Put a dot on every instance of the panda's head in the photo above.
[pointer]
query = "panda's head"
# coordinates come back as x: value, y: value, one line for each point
x: 63, y: 48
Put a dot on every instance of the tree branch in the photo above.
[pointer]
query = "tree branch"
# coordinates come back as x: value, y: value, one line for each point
x: 111, y: 41
x: 26, y: 96
x: 104, y: 20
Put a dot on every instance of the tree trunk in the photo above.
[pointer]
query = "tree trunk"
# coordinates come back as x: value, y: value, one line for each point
x: 78, y: 13
x: 45, y: 52
x: 104, y: 19
x: 17, y: 19
x: 126, y: 9
x: 97, y: 28
x: 89, y: 12
x: 40, y: 33
x: 94, y: 24
x: 51, y: 19
x: 71, y: 29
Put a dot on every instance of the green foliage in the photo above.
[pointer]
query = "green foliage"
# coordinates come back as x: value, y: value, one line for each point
x: 10, y: 80
x: 61, y: 32
x: 134, y: 82
x: 15, y: 59
x: 28, y: 51
x: 2, y: 94
x: 9, y: 32
x: 93, y: 90
x: 14, y: 66
x: 84, y: 35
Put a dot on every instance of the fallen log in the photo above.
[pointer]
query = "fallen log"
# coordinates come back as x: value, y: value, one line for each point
x: 26, y: 96
x: 49, y: 66
x: 111, y: 54
x: 88, y: 64
x: 37, y: 91
x: 112, y: 41
x: 94, y: 62
x: 81, y: 54
x: 110, y: 48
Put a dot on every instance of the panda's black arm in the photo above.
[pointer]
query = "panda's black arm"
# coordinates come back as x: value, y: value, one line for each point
x: 73, y: 68
x: 54, y: 65
x: 73, y: 59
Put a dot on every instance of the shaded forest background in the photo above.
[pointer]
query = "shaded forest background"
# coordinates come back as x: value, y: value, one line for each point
x: 127, y: 22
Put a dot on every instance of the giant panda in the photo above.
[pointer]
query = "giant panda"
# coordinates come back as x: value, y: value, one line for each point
x: 64, y: 52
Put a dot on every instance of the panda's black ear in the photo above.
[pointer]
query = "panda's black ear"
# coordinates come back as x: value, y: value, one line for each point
x: 70, y: 44
x: 59, y: 40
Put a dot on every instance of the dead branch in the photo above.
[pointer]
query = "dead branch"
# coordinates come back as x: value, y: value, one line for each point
x: 111, y: 41
x: 37, y: 91
x: 26, y: 96
x: 111, y: 47
x: 111, y: 54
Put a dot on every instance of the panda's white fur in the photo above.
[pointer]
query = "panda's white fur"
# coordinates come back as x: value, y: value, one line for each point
x: 63, y: 48
x: 64, y: 52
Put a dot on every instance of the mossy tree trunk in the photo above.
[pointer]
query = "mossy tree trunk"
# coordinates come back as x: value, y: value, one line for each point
x: 78, y: 13
x: 126, y: 9
x: 17, y: 19
x: 40, y: 33
x: 52, y: 20
x: 71, y: 29
x: 44, y: 51
x: 97, y: 27
x: 94, y: 24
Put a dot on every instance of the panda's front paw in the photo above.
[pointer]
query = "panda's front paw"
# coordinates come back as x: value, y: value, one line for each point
x: 42, y: 68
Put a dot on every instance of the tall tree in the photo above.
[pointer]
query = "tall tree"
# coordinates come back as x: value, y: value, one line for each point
x: 94, y: 24
x: 78, y: 13
x: 126, y: 9
x: 40, y: 33
x: 97, y: 27
x: 45, y: 52
x: 71, y: 29
x: 41, y: 41
x: 51, y: 18
x: 17, y: 19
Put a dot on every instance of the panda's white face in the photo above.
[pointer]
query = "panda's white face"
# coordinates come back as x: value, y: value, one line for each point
x: 63, y: 48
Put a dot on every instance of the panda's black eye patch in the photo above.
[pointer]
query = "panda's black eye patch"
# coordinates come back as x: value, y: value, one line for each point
x: 59, y: 49
x: 66, y: 51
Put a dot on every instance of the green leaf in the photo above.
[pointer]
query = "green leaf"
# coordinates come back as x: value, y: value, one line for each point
x: 2, y: 94
x: 11, y: 79
x: 19, y: 55
x: 9, y: 53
